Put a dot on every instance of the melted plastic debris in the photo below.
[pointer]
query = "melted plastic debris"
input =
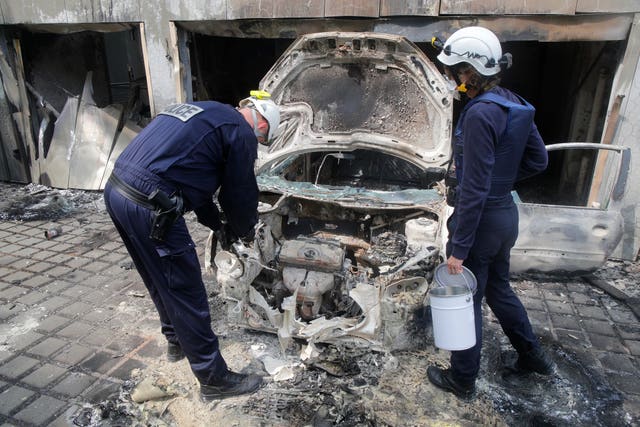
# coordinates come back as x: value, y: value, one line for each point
x: 325, y: 394
x: 35, y: 202
x: 118, y: 410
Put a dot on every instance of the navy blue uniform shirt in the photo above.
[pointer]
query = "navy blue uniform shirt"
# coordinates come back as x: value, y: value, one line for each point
x: 198, y: 148
x: 481, y: 129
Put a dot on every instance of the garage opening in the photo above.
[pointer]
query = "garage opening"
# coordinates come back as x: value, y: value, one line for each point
x: 85, y: 99
x: 225, y: 69
x: 569, y: 83
x: 56, y: 65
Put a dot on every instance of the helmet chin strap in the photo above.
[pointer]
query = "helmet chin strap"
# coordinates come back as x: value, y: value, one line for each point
x: 455, y: 84
x: 254, y: 115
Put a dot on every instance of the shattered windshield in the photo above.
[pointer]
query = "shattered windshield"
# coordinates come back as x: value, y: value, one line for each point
x: 359, y: 196
x: 364, y: 177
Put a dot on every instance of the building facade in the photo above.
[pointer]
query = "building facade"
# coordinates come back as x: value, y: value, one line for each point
x: 82, y: 77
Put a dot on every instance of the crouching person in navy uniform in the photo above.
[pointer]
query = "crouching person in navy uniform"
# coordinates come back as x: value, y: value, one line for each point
x: 176, y: 164
x: 496, y: 143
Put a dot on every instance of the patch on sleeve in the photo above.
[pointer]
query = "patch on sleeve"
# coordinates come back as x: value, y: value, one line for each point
x: 181, y: 111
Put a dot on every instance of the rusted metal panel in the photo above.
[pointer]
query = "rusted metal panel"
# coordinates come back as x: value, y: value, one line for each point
x: 56, y: 165
x: 352, y: 8
x: 514, y: 28
x: 13, y: 164
x: 503, y: 7
x: 248, y: 9
x: 627, y: 133
x: 24, y: 123
x: 124, y: 138
x: 277, y: 28
x: 607, y: 6
x: 298, y: 9
x: 68, y: 11
x: 93, y: 139
x: 410, y: 7
x: 245, y: 9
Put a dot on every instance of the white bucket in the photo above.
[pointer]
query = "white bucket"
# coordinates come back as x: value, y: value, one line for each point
x: 452, y: 315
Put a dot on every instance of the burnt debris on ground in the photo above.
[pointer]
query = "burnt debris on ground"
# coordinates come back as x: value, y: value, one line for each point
x: 591, y: 336
x: 38, y: 202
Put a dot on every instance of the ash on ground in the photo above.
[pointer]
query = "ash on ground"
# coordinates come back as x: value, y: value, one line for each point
x: 35, y: 202
x: 353, y: 386
x: 357, y: 387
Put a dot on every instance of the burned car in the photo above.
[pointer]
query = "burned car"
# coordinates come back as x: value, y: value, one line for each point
x: 352, y: 210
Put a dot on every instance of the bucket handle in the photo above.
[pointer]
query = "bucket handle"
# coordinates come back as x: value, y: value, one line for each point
x: 466, y: 282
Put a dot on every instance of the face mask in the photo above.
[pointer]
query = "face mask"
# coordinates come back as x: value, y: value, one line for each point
x: 453, y: 87
x: 262, y: 138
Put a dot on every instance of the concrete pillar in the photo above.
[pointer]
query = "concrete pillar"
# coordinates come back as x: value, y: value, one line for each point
x: 627, y: 84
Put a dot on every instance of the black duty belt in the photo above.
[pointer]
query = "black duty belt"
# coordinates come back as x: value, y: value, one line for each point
x: 131, y: 193
x: 166, y: 209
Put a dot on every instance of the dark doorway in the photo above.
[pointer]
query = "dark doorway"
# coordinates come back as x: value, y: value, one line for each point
x: 225, y: 69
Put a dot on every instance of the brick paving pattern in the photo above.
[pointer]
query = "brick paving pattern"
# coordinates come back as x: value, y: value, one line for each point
x: 65, y: 302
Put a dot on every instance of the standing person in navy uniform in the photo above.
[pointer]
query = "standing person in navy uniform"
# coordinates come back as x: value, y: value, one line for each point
x: 496, y: 143
x: 176, y: 164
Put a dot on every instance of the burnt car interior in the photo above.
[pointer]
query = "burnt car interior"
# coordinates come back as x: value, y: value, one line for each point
x: 359, y: 168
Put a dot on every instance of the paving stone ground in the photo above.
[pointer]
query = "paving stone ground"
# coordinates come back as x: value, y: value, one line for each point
x: 75, y: 320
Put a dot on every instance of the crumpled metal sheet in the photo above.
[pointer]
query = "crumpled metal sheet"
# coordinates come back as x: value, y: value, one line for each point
x: 55, y: 166
x: 126, y: 135
x: 94, y: 135
x: 85, y: 143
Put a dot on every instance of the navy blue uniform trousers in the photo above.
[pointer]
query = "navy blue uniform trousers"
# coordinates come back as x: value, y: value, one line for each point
x: 489, y: 261
x: 171, y: 272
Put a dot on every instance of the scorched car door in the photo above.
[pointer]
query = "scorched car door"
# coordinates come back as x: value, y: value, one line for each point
x: 573, y: 223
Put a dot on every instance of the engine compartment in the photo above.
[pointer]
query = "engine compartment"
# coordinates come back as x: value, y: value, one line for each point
x: 323, y: 272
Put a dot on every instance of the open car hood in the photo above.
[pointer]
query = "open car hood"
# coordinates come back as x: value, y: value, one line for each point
x: 345, y: 91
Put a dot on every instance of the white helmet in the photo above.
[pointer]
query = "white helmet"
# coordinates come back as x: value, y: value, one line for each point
x: 261, y: 101
x: 477, y: 46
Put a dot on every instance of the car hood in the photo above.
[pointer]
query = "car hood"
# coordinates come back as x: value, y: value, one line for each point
x: 342, y: 91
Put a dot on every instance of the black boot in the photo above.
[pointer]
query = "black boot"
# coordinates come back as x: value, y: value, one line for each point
x: 443, y: 378
x: 535, y: 361
x: 174, y: 352
x: 230, y: 384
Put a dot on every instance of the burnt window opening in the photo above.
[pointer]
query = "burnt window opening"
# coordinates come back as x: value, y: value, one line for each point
x: 359, y: 168
x: 225, y: 69
x: 57, y: 65
x: 86, y: 98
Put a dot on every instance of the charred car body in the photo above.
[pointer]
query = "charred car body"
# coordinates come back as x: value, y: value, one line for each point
x: 352, y: 210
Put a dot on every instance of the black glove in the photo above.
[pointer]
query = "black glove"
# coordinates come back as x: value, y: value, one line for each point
x: 248, y: 239
x: 226, y: 237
